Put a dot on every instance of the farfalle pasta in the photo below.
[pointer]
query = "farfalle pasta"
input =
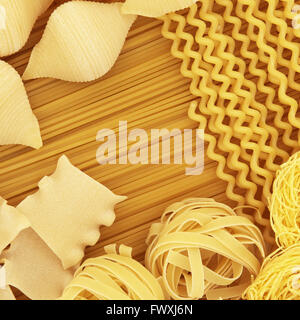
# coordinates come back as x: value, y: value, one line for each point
x: 113, y: 276
x: 202, y: 249
x: 81, y: 42
x: 34, y: 269
x: 155, y: 8
x: 17, y: 20
x: 18, y: 124
x: 68, y: 210
x: 12, y: 221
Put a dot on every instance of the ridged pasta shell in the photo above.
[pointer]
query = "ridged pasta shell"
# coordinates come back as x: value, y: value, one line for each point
x: 81, y: 42
x: 17, y: 18
x: 18, y: 124
x: 155, y: 8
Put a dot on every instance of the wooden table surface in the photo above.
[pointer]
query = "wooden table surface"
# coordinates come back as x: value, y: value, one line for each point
x: 71, y: 114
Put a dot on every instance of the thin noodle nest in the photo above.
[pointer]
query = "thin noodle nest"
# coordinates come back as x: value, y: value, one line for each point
x: 285, y: 203
x: 279, y: 278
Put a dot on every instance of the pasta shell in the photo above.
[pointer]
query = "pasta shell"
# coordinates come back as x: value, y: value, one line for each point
x: 81, y: 42
x: 17, y: 18
x: 18, y: 124
x: 155, y: 8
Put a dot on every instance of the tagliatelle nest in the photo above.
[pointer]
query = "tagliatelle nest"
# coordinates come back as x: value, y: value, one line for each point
x: 279, y: 278
x: 285, y: 203
x: 113, y: 276
x: 202, y: 249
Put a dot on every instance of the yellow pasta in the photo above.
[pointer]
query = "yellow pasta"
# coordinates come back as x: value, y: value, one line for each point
x: 18, y: 18
x: 285, y: 202
x: 67, y: 211
x: 18, y: 124
x: 34, y: 269
x: 248, y: 148
x: 155, y: 8
x: 279, y: 277
x: 113, y: 276
x: 12, y: 222
x: 202, y: 249
x: 81, y: 42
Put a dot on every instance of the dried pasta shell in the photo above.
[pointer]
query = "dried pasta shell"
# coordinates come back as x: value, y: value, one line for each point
x: 113, y: 276
x: 18, y: 18
x: 155, y: 8
x: 18, y: 124
x: 67, y: 211
x: 12, y: 221
x: 82, y: 41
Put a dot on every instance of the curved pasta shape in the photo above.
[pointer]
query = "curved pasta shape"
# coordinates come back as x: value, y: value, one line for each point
x: 18, y: 18
x: 18, y: 124
x: 278, y: 278
x: 202, y: 249
x: 68, y: 210
x: 113, y: 276
x: 12, y: 222
x: 284, y: 203
x: 81, y: 42
x: 155, y: 8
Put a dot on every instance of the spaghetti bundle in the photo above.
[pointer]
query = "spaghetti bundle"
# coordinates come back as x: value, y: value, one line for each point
x: 285, y: 203
x: 202, y: 249
x: 279, y: 278
x: 242, y: 58
x: 113, y: 276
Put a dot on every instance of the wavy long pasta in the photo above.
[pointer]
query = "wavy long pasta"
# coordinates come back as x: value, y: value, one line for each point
x: 213, y: 43
x: 18, y: 124
x: 18, y: 17
x: 202, y: 249
x: 75, y: 46
x: 113, y: 276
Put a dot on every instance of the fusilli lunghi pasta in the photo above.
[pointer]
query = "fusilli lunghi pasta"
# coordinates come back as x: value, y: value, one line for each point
x: 230, y: 51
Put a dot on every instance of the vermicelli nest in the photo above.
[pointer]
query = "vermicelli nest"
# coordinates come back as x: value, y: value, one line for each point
x: 202, y: 249
x: 279, y: 278
x: 285, y: 203
x: 113, y: 276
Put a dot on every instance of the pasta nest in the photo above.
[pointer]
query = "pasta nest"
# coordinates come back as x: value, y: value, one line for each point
x: 202, y: 249
x: 279, y: 278
x: 285, y: 203
x: 113, y: 276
